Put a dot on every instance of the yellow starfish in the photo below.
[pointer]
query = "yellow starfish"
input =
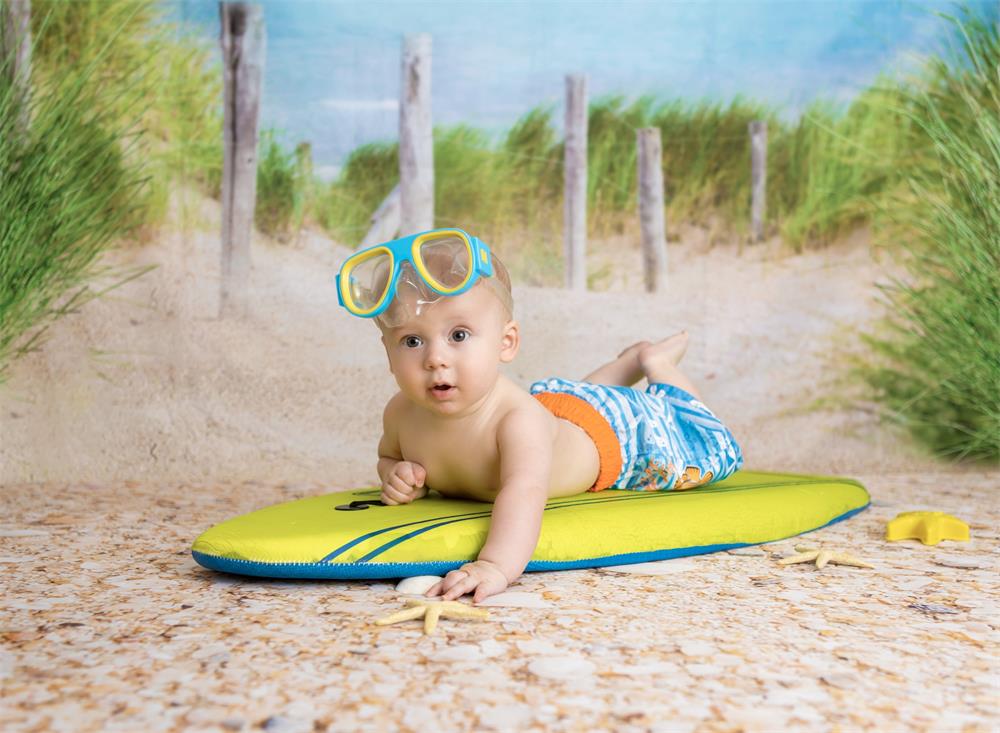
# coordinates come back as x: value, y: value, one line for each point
x: 431, y: 611
x: 822, y: 557
x: 928, y: 527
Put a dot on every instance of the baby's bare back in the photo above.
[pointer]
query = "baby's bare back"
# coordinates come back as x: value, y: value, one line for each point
x: 463, y: 457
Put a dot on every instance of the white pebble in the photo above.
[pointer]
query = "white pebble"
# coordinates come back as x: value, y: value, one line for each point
x: 782, y: 696
x: 8, y: 532
x: 417, y: 585
x: 286, y: 724
x: 506, y: 717
x: 421, y: 718
x: 647, y: 669
x: 758, y: 718
x: 493, y: 648
x: 459, y: 653
x: 697, y: 648
x: 537, y: 646
x: 703, y: 670
x: 561, y: 668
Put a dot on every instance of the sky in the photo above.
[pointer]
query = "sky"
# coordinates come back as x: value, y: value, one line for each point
x: 333, y: 66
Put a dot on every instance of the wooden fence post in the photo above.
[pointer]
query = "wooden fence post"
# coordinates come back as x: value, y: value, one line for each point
x: 243, y: 48
x: 575, y: 183
x: 758, y: 178
x: 416, y: 137
x: 15, y: 54
x: 651, y: 214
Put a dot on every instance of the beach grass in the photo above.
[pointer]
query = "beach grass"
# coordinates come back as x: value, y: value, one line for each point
x: 148, y: 78
x: 825, y: 172
x: 69, y: 188
x: 278, y: 188
x: 935, y: 359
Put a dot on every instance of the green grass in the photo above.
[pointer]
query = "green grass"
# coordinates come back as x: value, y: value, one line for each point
x: 145, y: 64
x: 277, y: 188
x: 369, y: 174
x: 824, y: 172
x: 67, y: 191
x: 936, y: 365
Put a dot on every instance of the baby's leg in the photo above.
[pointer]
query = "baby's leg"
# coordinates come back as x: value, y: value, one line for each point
x: 659, y: 362
x: 623, y: 371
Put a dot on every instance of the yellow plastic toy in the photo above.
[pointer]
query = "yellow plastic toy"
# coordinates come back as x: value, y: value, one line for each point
x: 928, y: 527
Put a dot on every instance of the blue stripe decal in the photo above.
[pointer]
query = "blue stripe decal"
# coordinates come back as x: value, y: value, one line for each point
x: 403, y: 538
x: 469, y: 515
x: 370, y: 571
x: 460, y: 518
x: 362, y: 538
x: 634, y: 496
x: 379, y: 550
x: 625, y: 495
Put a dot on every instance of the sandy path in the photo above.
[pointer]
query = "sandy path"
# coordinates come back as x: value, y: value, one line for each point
x: 147, y: 384
x: 107, y: 624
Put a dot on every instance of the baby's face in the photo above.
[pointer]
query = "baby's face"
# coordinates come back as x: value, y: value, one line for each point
x: 447, y: 359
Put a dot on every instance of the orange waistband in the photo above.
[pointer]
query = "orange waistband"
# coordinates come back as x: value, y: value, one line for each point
x: 586, y: 417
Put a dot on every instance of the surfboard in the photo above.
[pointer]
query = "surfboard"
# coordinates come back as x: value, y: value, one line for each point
x: 350, y: 534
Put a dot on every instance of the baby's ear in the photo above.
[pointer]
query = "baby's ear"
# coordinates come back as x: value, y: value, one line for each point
x: 510, y: 341
x: 386, y: 347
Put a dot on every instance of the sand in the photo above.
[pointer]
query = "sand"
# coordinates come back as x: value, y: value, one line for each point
x: 147, y: 383
x: 144, y: 419
x: 107, y: 624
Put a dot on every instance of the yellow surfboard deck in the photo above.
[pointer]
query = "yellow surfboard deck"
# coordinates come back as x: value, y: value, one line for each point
x: 326, y: 537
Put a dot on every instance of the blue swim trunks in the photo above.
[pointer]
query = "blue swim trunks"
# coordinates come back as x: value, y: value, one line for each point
x: 655, y: 440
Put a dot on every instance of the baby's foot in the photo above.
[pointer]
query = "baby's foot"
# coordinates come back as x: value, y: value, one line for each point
x: 669, y: 351
x: 634, y: 349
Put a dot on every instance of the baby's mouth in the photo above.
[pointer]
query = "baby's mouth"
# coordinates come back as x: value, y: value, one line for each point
x: 442, y: 390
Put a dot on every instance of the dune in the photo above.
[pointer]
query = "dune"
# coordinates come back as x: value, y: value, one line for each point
x: 147, y: 383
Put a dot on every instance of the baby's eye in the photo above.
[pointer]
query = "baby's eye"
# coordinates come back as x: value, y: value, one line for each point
x: 460, y: 334
x: 411, y: 342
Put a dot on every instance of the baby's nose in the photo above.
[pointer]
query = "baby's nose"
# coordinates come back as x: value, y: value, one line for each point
x: 436, y: 357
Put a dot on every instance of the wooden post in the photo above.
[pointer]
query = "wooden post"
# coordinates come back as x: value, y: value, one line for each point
x: 758, y: 179
x: 651, y: 214
x: 575, y: 183
x: 385, y: 220
x: 15, y: 54
x: 416, y: 137
x: 243, y: 48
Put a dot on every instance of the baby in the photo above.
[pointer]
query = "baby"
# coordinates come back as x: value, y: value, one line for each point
x: 459, y: 427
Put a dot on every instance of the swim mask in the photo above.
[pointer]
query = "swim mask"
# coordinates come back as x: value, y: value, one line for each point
x: 415, y: 272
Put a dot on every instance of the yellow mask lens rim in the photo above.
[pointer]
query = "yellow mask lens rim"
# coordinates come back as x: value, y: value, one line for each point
x: 418, y: 260
x: 348, y: 269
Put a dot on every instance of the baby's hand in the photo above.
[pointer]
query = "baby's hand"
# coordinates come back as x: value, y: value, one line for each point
x: 481, y: 576
x: 404, y: 483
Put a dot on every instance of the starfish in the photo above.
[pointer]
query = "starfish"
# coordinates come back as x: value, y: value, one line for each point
x: 822, y: 557
x: 431, y: 611
x: 928, y: 527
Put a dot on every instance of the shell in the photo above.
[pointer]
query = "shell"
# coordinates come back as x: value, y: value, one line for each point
x: 417, y: 585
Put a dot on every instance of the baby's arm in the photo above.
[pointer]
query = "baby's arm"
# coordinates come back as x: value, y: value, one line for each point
x: 525, y: 439
x: 402, y: 481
